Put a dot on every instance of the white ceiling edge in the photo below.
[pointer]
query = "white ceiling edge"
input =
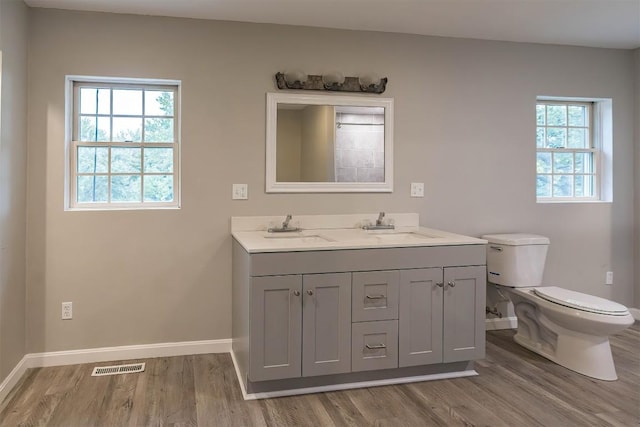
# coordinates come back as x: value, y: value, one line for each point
x: 590, y: 23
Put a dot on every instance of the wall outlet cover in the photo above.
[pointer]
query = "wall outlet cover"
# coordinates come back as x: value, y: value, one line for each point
x: 67, y: 310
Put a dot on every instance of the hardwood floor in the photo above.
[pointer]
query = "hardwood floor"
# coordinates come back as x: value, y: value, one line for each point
x: 515, y: 388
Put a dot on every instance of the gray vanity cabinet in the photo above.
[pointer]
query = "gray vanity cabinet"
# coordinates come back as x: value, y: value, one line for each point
x: 311, y: 318
x: 441, y: 315
x: 300, y: 326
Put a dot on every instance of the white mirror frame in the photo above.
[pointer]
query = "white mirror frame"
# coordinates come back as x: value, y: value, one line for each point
x: 272, y: 186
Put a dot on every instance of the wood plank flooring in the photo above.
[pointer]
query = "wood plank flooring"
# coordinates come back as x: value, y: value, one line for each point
x: 515, y: 388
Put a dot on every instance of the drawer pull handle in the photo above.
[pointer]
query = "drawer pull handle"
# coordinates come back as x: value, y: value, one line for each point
x: 496, y: 248
x: 376, y: 297
x: 296, y: 293
x: 440, y: 284
x: 309, y: 292
x: 375, y: 346
x: 452, y: 284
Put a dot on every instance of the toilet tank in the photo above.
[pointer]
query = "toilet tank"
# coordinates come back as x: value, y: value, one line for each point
x: 517, y: 259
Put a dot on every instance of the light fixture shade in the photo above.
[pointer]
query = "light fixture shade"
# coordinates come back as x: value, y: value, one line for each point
x: 295, y: 75
x: 333, y: 77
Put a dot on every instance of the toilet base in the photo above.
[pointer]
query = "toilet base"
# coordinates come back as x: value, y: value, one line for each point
x: 586, y: 355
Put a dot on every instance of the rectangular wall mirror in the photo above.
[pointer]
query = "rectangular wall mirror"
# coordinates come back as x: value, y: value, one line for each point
x: 329, y: 143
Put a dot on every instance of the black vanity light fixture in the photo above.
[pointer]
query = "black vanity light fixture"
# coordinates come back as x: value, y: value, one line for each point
x: 331, y: 82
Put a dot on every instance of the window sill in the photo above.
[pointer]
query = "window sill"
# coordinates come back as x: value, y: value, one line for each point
x: 572, y: 202
x: 120, y: 208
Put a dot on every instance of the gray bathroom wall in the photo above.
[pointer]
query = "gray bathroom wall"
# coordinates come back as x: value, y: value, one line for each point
x: 13, y: 178
x: 464, y: 125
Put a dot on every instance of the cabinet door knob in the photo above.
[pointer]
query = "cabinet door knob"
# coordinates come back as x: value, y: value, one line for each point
x: 296, y: 293
x: 440, y: 284
x: 309, y: 292
x: 452, y: 284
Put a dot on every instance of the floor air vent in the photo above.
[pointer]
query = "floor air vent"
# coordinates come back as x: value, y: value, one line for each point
x: 133, y: 368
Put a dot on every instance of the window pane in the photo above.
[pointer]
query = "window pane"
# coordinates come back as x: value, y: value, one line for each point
x: 584, y: 162
x: 540, y: 137
x: 127, y: 129
x: 158, y: 160
x: 584, y: 185
x: 93, y: 160
x: 556, y: 137
x: 125, y: 160
x: 94, y: 101
x: 158, y: 130
x: 543, y: 186
x: 577, y: 115
x: 543, y: 163
x: 158, y: 188
x: 127, y: 102
x: 562, y: 185
x: 556, y: 115
x: 158, y: 103
x: 125, y: 188
x: 577, y: 138
x: 92, y: 189
x: 563, y: 162
x: 90, y: 133
x: 540, y: 114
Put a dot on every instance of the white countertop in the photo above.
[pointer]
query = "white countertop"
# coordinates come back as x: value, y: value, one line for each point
x: 252, y: 234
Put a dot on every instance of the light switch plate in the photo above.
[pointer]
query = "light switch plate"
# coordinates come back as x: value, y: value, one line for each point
x: 240, y: 192
x: 417, y: 189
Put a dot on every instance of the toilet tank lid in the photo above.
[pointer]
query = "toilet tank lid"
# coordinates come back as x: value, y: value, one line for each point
x: 516, y: 239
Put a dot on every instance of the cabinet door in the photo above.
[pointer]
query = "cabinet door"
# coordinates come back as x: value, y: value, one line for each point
x: 375, y: 295
x: 275, y: 327
x: 464, y: 304
x: 326, y: 320
x: 420, y: 317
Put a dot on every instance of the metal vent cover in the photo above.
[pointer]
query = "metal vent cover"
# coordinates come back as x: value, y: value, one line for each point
x: 132, y: 368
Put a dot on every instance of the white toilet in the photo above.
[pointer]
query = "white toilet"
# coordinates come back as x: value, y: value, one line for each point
x: 569, y: 328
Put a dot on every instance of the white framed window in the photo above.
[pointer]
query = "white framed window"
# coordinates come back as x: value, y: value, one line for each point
x: 123, y: 142
x: 567, y: 152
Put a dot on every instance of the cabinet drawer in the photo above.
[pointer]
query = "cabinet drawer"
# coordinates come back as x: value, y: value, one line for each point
x: 375, y: 295
x: 374, y: 345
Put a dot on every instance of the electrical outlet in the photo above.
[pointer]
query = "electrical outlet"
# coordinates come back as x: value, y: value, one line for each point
x: 240, y: 192
x: 67, y: 310
x: 608, y: 280
x: 417, y: 189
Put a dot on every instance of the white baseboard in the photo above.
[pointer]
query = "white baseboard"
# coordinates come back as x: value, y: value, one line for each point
x: 635, y: 312
x: 504, y: 323
x: 126, y: 352
x: 106, y: 354
x: 12, y: 379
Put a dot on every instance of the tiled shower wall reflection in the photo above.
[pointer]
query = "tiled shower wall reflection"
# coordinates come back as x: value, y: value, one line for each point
x: 359, y: 147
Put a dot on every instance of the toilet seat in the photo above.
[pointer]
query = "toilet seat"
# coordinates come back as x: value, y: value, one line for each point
x: 580, y: 301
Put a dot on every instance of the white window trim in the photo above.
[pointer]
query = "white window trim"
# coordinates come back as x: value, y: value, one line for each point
x: 602, y: 143
x: 70, y: 198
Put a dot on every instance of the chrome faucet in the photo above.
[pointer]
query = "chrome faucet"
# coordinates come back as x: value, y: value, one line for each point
x: 285, y: 223
x: 380, y: 225
x: 284, y: 227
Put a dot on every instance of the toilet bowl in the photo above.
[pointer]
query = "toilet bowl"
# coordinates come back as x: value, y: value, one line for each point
x: 569, y: 328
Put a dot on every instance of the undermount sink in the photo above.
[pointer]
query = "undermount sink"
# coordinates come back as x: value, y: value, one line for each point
x: 298, y: 237
x: 400, y: 237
